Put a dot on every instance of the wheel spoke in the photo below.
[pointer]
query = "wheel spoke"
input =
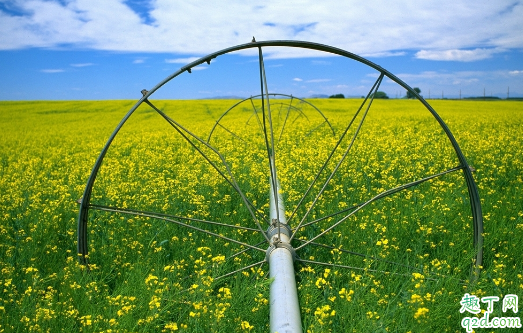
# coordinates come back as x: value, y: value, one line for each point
x: 378, y: 197
x: 378, y: 82
x: 162, y: 215
x: 331, y: 154
x: 170, y: 220
x: 210, y: 265
x: 328, y: 216
x: 255, y: 113
x: 314, y: 129
x: 245, y: 250
x: 258, y: 270
x: 286, y: 117
x: 357, y: 268
x: 432, y: 274
x: 232, y: 133
x: 300, y: 114
x: 360, y: 255
x: 269, y: 146
x: 240, y: 270
x: 180, y: 129
x: 221, y: 117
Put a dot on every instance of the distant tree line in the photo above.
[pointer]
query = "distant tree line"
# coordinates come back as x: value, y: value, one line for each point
x: 482, y: 97
x: 379, y: 94
x: 411, y: 95
x: 337, y: 96
x: 383, y: 95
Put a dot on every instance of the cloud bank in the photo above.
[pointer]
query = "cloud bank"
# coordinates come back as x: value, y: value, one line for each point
x: 458, y: 30
x: 458, y: 55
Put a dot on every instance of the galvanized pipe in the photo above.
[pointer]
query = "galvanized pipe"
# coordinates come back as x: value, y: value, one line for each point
x: 285, y: 309
x: 284, y: 306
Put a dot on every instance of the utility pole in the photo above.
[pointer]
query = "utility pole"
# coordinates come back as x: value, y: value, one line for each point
x: 429, y: 93
x: 483, y: 93
x: 442, y: 94
x: 460, y: 94
x: 508, y: 92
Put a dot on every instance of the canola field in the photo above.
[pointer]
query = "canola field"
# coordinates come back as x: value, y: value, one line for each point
x: 399, y: 262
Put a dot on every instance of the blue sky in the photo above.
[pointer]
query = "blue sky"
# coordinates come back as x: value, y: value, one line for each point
x: 112, y: 49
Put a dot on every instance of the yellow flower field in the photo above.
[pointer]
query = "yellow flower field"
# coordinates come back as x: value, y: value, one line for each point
x: 150, y: 274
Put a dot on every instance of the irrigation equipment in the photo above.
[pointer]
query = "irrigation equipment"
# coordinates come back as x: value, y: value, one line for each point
x: 335, y: 194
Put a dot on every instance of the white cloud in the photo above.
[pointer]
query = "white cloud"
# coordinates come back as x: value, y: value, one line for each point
x: 318, y: 80
x: 82, y: 65
x: 52, y: 71
x: 184, y: 61
x: 457, y: 55
x: 384, y: 54
x: 467, y: 31
x: 445, y: 78
x: 139, y: 61
x: 468, y: 82
x: 320, y: 62
x: 297, y: 79
x: 515, y: 72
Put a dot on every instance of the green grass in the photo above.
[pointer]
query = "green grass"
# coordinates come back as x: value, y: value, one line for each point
x: 150, y: 275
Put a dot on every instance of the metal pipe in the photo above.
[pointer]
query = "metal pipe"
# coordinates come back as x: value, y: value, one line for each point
x: 284, y: 306
x: 285, y: 309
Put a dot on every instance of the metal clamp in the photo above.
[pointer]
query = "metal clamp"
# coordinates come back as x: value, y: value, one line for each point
x: 277, y: 227
x: 280, y: 245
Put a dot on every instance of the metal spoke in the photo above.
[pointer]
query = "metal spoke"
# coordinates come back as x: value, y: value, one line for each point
x: 358, y: 268
x: 314, y: 129
x: 286, y: 117
x: 300, y: 114
x: 245, y: 250
x: 231, y: 132
x: 239, y: 270
x: 378, y: 82
x: 256, y: 114
x: 231, y: 181
x: 330, y: 215
x: 377, y: 197
x: 219, y: 119
x: 331, y: 153
x: 269, y: 146
x: 210, y: 265
x: 279, y: 110
x: 433, y: 274
x: 259, y: 269
x: 143, y: 212
x: 360, y: 254
x: 179, y: 128
x: 155, y: 216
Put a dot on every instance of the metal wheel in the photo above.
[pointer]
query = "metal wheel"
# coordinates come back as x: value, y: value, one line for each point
x: 350, y: 199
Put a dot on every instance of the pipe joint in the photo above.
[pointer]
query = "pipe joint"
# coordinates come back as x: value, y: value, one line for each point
x: 280, y: 245
x: 277, y: 227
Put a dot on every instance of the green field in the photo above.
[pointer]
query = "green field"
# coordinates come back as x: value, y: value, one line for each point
x: 149, y: 275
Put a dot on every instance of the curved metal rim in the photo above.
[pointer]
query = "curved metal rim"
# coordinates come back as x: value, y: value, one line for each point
x: 472, y: 188
x: 270, y: 94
